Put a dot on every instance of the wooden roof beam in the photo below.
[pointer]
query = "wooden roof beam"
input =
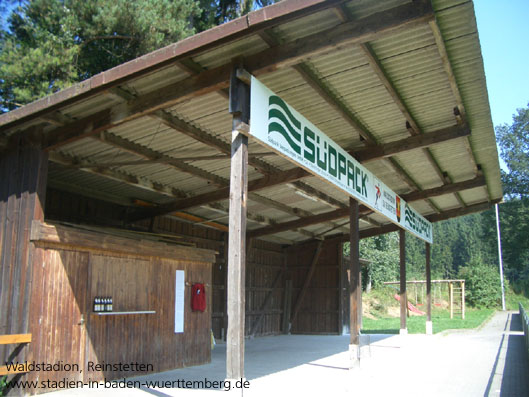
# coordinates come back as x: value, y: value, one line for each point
x: 316, y: 195
x: 221, y: 194
x: 258, y: 218
x: 377, y: 67
x: 412, y: 143
x: 470, y: 209
x: 414, y: 128
x: 206, y: 138
x: 441, y: 48
x: 149, y: 154
x: 326, y: 93
x: 159, y: 157
x: 343, y: 212
x: 191, y: 130
x: 285, y: 55
x: 155, y: 156
x: 119, y: 176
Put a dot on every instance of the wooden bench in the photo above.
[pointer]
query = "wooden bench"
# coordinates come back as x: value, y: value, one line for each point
x: 15, y: 339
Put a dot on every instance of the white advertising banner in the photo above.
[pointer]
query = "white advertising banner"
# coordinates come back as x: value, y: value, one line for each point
x: 281, y: 128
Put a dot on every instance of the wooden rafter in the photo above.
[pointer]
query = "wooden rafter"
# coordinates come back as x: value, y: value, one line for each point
x: 411, y: 143
x: 119, y: 176
x: 294, y: 211
x: 285, y: 55
x: 258, y: 218
x: 414, y: 128
x: 150, y: 154
x: 155, y: 156
x: 343, y: 212
x: 459, y: 111
x: 439, y: 42
x: 326, y: 93
x: 221, y: 194
x: 454, y: 213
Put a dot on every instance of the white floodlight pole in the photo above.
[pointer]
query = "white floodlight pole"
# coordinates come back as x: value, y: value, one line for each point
x: 500, y: 257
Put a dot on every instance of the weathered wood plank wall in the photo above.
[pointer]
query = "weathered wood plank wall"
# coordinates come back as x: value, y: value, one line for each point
x: 23, y: 172
x: 319, y: 310
x: 265, y: 259
x: 66, y: 329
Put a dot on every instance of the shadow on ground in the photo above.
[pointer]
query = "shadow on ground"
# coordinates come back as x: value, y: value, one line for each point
x: 268, y: 355
x: 513, y: 351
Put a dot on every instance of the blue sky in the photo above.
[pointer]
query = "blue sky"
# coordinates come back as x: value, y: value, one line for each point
x: 503, y: 28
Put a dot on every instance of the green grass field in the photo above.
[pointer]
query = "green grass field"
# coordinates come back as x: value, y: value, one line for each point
x: 417, y: 324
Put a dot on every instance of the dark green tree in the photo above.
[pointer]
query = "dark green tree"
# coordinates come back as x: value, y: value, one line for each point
x: 48, y: 45
x: 51, y: 44
x: 513, y: 141
x: 514, y: 145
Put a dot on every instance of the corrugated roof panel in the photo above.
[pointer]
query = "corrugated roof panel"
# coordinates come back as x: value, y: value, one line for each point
x: 362, y: 8
x: 446, y: 202
x: 471, y: 196
x: 87, y: 107
x: 417, y: 42
x: 384, y: 120
x: 433, y: 108
x: 202, y: 107
x: 457, y: 21
x: 353, y: 82
x: 452, y: 156
x: 109, y: 186
x: 155, y: 80
x: 339, y: 61
x: 410, y: 59
x: 225, y: 53
x: 282, y: 80
x: 90, y: 147
x: 305, y: 26
x: 423, y: 207
x: 419, y: 168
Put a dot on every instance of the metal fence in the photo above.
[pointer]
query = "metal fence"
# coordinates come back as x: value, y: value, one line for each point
x: 525, y: 325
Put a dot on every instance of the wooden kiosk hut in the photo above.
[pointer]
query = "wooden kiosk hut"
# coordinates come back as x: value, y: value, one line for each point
x: 159, y: 146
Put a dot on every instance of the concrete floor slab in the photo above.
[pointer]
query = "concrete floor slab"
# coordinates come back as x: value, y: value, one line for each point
x: 485, y: 362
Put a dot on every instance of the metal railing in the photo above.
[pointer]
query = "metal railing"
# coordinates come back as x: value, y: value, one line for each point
x: 525, y: 325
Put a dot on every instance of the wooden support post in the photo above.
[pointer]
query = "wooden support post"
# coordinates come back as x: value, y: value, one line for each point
x: 463, y: 300
x: 340, y: 329
x: 403, y: 294
x: 359, y: 298
x: 355, y: 286
x: 225, y: 292
x: 429, y: 326
x: 451, y: 299
x: 239, y: 107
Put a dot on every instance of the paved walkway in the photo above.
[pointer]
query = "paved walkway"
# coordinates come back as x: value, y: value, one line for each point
x: 486, y: 362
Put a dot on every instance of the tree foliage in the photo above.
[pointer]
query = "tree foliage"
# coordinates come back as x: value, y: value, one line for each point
x: 514, y: 144
x: 217, y: 12
x: 51, y: 44
x: 482, y: 284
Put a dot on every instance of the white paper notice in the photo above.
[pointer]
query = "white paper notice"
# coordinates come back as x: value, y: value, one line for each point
x: 179, y: 302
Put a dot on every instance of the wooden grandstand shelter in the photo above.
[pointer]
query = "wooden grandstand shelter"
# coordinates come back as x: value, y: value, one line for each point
x: 158, y: 146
